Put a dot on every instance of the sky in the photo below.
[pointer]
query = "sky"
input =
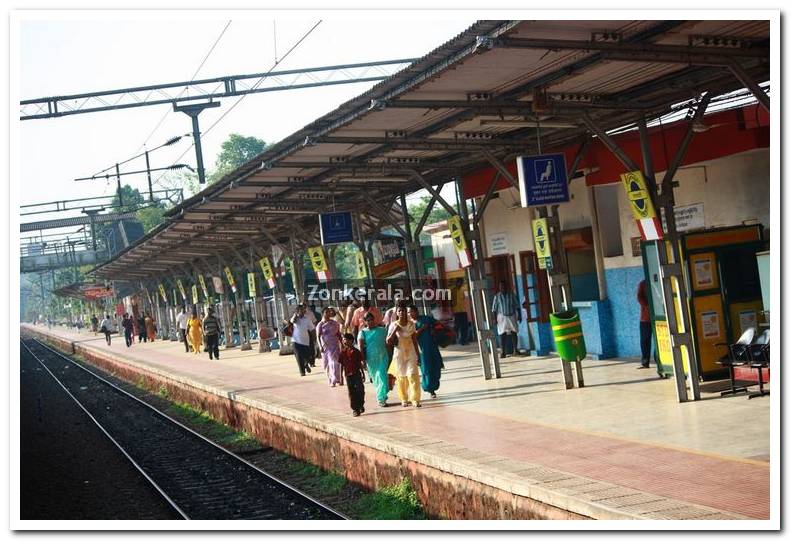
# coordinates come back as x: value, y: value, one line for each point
x: 112, y: 51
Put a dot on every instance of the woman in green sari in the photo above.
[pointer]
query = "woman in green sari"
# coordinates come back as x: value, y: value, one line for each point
x: 371, y: 341
x: 429, y: 356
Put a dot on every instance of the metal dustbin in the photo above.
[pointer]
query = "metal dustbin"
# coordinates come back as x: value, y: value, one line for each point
x: 569, y: 343
x: 567, y: 331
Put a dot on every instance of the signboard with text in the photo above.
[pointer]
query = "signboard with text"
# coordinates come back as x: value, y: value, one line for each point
x: 542, y: 179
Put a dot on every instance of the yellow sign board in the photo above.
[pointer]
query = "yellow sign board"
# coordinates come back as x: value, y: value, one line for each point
x: 202, y: 281
x: 181, y: 288
x: 229, y: 275
x: 251, y: 283
x: 638, y: 196
x: 266, y: 269
x: 162, y: 292
x: 457, y: 233
x: 317, y: 259
x: 194, y: 294
x: 361, y: 273
x: 541, y: 239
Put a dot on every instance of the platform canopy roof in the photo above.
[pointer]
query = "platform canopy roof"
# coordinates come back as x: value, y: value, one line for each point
x: 486, y: 95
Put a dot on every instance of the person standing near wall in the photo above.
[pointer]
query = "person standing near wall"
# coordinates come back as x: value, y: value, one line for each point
x: 508, y: 315
x: 461, y: 323
x: 645, y: 326
x: 142, y: 335
x: 181, y: 323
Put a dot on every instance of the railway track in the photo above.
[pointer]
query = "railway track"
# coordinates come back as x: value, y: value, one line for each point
x: 196, y: 477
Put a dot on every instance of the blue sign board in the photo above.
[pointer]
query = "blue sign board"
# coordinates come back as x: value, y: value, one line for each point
x: 542, y: 179
x: 336, y: 228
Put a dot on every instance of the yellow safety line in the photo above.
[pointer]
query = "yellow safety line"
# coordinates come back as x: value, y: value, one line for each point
x: 565, y: 325
x: 561, y: 338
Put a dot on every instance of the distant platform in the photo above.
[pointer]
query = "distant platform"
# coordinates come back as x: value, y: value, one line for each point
x: 518, y: 447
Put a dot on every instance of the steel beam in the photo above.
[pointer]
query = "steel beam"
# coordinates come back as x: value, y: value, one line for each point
x: 749, y: 82
x: 649, y: 51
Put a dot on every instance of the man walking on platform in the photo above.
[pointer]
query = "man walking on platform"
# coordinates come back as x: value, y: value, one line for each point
x: 128, y: 326
x: 507, y: 314
x: 645, y: 326
x: 181, y: 321
x: 300, y: 336
x: 211, y: 332
x: 107, y: 328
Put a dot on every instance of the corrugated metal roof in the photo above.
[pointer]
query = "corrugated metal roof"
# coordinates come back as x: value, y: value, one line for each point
x: 423, y: 119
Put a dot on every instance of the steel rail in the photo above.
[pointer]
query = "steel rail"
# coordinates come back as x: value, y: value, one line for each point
x: 191, y: 431
x: 137, y: 466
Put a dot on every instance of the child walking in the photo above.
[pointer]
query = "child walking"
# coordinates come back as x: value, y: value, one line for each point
x: 352, y: 362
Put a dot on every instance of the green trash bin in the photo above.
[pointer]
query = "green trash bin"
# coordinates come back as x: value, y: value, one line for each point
x: 567, y: 331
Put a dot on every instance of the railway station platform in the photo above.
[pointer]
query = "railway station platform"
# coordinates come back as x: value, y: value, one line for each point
x: 518, y: 447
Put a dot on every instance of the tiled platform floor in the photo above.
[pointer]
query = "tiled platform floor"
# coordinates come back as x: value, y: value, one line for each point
x: 622, y: 440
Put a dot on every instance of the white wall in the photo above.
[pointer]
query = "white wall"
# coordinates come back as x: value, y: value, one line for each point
x: 501, y: 216
x: 732, y: 189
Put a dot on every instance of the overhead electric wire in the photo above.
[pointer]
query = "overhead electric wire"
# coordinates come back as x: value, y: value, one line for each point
x: 205, y: 58
x: 256, y: 85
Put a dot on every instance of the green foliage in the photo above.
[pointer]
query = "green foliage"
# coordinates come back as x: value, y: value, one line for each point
x: 151, y: 217
x: 437, y: 214
x: 236, y: 151
x: 395, y: 502
x: 346, y: 261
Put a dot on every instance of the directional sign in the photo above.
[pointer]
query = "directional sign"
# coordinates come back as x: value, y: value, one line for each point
x: 459, y: 242
x: 319, y: 262
x: 542, y: 179
x: 642, y: 208
x: 336, y: 228
x: 251, y: 284
x: 194, y: 294
x: 162, y: 292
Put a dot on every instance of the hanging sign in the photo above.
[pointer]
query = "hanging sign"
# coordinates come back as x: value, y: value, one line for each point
x: 319, y: 262
x: 498, y: 244
x: 162, y: 292
x: 194, y: 294
x: 289, y: 263
x: 266, y: 269
x: 217, y: 283
x: 642, y: 208
x: 202, y: 281
x: 542, y: 179
x: 459, y: 242
x: 181, y: 289
x: 336, y: 228
x: 229, y: 275
x: 251, y: 284
x: 361, y: 273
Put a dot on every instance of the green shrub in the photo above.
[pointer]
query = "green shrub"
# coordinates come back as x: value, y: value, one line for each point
x: 395, y: 502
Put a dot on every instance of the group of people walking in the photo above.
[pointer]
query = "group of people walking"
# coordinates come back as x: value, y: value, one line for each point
x: 397, y: 350
x: 144, y: 327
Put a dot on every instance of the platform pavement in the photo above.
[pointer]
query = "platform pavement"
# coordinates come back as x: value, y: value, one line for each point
x: 621, y: 447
